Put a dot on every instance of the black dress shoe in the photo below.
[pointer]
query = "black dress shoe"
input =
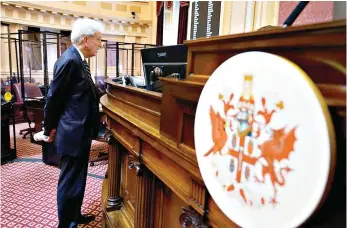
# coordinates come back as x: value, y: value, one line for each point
x: 84, y: 219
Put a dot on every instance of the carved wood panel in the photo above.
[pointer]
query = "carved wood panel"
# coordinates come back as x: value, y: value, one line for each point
x: 163, y: 168
x: 198, y: 193
x: 145, y: 108
x: 188, y: 130
x: 169, y: 112
x: 186, y: 122
x: 158, y: 204
x: 151, y: 101
x: 131, y: 141
x: 172, y: 207
x: 128, y: 187
x: 145, y: 199
x: 177, y: 116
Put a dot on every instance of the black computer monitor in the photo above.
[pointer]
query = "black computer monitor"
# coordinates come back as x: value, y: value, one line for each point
x: 166, y: 61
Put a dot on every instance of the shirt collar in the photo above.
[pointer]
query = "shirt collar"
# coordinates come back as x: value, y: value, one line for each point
x: 81, y: 54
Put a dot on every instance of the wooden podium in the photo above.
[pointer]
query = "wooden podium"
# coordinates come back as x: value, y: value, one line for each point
x: 153, y: 175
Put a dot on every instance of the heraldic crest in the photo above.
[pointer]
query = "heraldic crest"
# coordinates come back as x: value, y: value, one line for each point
x: 252, y: 142
x: 263, y: 141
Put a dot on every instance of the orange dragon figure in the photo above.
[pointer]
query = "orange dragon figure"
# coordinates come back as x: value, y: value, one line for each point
x: 276, y: 149
x: 219, y: 136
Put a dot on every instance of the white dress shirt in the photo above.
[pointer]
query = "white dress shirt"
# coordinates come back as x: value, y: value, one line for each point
x: 79, y: 51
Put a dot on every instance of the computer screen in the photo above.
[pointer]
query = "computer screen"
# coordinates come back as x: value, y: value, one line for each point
x: 166, y: 61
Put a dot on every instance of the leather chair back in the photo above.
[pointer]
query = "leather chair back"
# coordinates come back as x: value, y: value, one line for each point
x: 32, y: 90
x: 18, y: 92
x: 18, y: 107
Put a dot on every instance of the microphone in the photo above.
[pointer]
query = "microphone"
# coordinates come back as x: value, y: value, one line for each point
x: 296, y: 12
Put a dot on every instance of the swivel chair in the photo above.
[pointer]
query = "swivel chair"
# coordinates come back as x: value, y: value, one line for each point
x: 31, y: 90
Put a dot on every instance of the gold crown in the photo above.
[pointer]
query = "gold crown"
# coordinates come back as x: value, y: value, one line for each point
x: 248, y: 77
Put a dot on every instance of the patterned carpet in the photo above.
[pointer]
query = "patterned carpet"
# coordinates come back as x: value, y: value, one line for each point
x: 28, y: 188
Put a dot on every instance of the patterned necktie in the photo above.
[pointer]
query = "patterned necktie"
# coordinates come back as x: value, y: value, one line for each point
x: 90, y: 80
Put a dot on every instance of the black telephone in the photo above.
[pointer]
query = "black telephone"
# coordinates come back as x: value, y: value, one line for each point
x: 129, y: 81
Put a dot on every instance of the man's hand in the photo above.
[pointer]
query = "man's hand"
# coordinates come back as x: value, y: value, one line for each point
x: 41, y: 137
x: 51, y: 136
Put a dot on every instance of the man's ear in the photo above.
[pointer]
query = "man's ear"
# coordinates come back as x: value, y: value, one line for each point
x: 85, y: 40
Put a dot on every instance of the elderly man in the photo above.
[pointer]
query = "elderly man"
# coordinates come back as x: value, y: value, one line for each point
x: 72, y: 119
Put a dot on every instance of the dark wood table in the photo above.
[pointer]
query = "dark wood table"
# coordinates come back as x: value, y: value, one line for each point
x: 7, y: 153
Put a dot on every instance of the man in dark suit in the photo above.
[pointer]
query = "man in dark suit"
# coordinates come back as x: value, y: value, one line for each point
x: 71, y: 119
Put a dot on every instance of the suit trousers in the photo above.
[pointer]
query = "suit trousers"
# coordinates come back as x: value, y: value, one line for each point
x: 71, y: 187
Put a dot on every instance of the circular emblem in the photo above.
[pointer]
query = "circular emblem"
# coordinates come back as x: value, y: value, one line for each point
x: 256, y: 127
x: 8, y: 96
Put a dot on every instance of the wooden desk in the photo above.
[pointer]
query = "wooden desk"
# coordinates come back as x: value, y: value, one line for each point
x: 154, y: 179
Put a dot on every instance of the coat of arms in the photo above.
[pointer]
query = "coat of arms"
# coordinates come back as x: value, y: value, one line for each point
x: 263, y: 141
x: 254, y: 142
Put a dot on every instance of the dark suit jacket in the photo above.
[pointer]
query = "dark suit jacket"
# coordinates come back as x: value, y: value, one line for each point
x: 70, y: 107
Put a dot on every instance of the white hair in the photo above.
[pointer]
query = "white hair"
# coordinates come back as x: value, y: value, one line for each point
x: 85, y: 27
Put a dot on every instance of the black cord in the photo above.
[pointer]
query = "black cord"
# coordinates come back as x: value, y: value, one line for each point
x: 296, y: 12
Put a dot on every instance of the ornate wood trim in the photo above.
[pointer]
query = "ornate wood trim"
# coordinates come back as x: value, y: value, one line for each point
x: 114, y: 200
x: 198, y: 194
x: 144, y: 204
x: 190, y: 218
x: 135, y: 163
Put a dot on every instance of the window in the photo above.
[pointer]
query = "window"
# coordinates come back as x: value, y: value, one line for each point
x: 65, y: 41
x: 33, y: 49
x: 171, y: 16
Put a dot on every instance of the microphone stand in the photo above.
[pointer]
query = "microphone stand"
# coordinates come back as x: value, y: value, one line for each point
x: 295, y: 13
